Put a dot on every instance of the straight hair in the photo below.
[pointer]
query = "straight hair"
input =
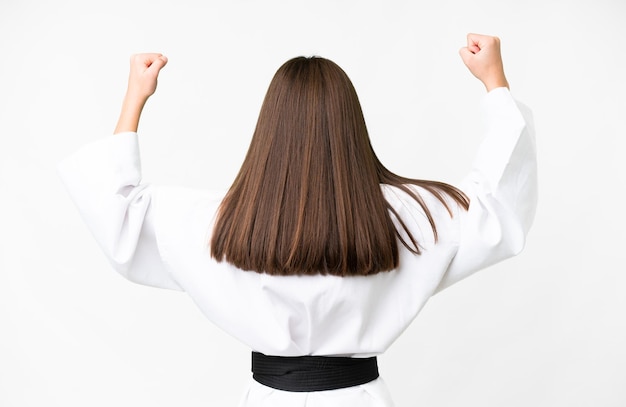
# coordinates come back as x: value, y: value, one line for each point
x: 308, y: 199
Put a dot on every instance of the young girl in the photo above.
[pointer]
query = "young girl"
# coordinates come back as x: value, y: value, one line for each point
x: 317, y: 257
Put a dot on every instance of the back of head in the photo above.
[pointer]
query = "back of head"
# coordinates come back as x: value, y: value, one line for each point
x: 307, y: 199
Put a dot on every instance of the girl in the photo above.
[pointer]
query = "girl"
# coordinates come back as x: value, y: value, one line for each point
x: 317, y: 257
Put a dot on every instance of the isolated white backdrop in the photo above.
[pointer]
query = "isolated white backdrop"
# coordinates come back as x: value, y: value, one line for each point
x: 544, y: 329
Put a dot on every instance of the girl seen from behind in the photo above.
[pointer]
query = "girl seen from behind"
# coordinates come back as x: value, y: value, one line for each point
x: 318, y: 257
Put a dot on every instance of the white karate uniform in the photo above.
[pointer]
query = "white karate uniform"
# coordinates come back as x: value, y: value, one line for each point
x: 159, y: 236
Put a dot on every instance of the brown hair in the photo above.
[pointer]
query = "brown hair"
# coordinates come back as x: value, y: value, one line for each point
x: 308, y: 199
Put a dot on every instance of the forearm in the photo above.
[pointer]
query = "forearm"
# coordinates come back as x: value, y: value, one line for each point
x: 498, y: 81
x: 130, y: 114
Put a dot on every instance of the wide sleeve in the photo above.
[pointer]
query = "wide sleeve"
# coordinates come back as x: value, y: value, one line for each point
x: 104, y: 181
x: 502, y: 188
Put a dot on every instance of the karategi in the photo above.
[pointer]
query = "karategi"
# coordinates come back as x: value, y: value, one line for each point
x: 159, y: 236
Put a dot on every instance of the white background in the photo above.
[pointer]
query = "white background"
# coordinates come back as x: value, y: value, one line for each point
x: 547, y: 328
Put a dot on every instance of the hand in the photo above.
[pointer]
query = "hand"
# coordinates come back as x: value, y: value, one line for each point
x: 482, y: 57
x: 144, y: 71
x: 142, y: 83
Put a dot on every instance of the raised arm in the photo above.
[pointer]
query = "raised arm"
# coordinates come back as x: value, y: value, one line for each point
x: 142, y: 83
x: 502, y: 185
x: 103, y: 179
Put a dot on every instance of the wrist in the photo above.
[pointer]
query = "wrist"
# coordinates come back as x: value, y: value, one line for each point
x: 496, y: 83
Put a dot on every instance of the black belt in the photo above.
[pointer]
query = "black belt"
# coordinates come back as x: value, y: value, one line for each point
x: 312, y: 373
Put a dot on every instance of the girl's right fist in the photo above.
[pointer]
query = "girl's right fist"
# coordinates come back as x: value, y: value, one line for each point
x: 482, y: 57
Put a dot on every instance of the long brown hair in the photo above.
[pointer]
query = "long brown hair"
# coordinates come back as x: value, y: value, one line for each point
x: 308, y: 199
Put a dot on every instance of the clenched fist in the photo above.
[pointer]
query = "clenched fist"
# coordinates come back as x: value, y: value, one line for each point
x: 142, y: 83
x: 144, y: 71
x: 482, y: 57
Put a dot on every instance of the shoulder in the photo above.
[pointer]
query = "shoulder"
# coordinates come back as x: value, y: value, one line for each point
x: 176, y: 198
x: 415, y: 217
x: 184, y: 214
x: 400, y: 199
